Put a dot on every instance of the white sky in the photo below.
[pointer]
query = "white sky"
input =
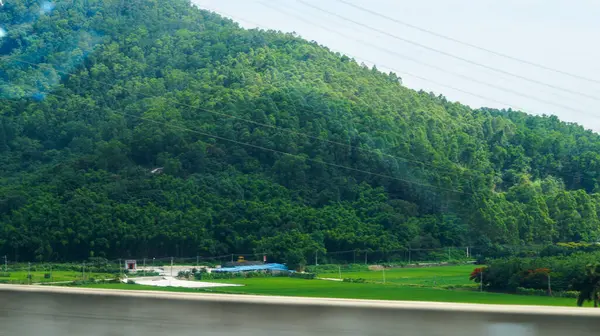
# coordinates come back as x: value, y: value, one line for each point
x: 555, y: 33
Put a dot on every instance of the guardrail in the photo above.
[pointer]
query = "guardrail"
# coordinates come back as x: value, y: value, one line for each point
x: 43, y: 310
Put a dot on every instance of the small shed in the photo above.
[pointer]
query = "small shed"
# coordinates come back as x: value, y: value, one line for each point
x: 131, y: 265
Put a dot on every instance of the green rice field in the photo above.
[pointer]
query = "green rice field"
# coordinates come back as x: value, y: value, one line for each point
x: 336, y: 289
x: 438, y: 284
x: 423, y: 276
x: 56, y: 276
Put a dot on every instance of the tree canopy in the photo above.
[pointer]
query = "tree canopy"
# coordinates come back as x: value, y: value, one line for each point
x: 142, y: 128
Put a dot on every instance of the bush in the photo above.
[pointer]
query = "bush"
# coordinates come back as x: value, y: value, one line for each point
x: 357, y: 280
x: 333, y: 268
x: 184, y: 274
x: 541, y: 292
x: 567, y: 294
x: 140, y: 273
x: 566, y: 272
x: 531, y: 291
x: 307, y: 276
x: 130, y: 282
x: 4, y: 275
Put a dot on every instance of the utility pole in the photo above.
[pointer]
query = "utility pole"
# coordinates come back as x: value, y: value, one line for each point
x: 448, y: 254
x: 29, y: 273
x: 409, y: 251
x: 51, y: 279
x: 340, y: 271
x: 316, y: 258
x: 144, y: 271
x: 83, y: 271
x: 171, y: 266
x: 481, y: 280
x: 197, y: 260
x: 120, y: 268
x: 383, y: 275
x: 5, y: 264
x: 549, y: 286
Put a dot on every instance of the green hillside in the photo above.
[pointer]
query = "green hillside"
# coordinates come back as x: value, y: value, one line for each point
x: 267, y: 143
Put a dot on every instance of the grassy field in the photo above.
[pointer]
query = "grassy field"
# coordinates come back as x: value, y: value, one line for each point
x: 409, y: 284
x: 334, y: 289
x: 425, y: 276
x: 57, y: 276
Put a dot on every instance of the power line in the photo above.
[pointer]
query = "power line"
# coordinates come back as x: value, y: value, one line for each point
x: 218, y: 137
x: 467, y: 43
x: 470, y: 171
x: 370, y: 150
x: 383, y: 65
x: 285, y: 130
x: 448, y: 54
x: 329, y: 29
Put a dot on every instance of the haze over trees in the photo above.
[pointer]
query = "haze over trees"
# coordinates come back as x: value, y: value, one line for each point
x: 267, y: 143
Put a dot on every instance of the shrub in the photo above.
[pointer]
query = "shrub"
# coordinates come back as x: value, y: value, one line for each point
x: 357, y: 280
x: 541, y: 292
x: 565, y: 272
x: 307, y: 276
x: 531, y: 291
x: 334, y: 268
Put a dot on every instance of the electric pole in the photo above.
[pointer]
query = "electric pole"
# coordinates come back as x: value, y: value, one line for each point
x: 29, y: 273
x: 481, y: 280
x: 171, y: 266
x: 5, y: 264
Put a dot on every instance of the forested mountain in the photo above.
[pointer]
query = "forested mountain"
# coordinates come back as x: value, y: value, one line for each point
x: 267, y: 143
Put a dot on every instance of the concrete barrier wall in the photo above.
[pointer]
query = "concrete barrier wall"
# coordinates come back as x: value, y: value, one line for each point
x: 56, y: 311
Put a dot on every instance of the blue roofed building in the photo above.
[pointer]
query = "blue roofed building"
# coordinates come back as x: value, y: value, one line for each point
x: 273, y: 267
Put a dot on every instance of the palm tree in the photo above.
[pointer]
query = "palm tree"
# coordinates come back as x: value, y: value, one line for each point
x: 589, y: 288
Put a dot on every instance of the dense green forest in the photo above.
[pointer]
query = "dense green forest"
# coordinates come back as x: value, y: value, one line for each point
x: 267, y: 143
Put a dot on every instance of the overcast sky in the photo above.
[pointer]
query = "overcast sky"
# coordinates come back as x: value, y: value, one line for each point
x: 559, y: 34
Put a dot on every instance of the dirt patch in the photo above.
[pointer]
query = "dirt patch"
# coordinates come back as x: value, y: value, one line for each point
x: 375, y: 267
